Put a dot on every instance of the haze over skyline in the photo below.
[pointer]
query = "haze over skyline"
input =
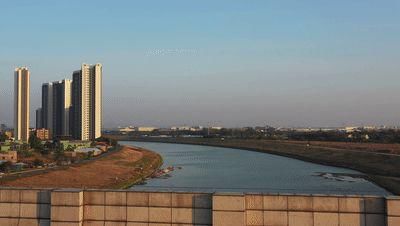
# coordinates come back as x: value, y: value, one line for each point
x: 228, y: 63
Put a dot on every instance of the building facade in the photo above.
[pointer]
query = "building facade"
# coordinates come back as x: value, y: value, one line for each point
x: 61, y: 108
x: 39, y: 123
x: 87, y: 102
x: 21, y: 103
x: 47, y: 107
x: 43, y: 134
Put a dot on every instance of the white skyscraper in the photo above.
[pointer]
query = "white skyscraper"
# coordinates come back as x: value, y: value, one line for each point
x: 87, y: 102
x: 21, y: 103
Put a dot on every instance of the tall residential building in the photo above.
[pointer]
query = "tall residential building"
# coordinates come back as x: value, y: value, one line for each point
x: 39, y: 118
x: 21, y: 103
x: 47, y: 107
x: 61, y: 108
x: 87, y: 102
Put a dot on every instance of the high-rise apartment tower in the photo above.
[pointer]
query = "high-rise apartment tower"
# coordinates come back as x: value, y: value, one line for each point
x: 21, y: 103
x: 87, y: 102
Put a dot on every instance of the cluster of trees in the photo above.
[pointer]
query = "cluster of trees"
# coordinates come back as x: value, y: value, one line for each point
x: 3, y: 137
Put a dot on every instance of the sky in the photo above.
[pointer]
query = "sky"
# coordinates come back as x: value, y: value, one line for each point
x: 213, y: 62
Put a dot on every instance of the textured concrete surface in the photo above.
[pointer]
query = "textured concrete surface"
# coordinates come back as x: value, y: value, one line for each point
x: 32, y: 207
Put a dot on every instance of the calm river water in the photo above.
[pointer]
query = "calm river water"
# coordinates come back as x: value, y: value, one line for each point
x: 213, y: 169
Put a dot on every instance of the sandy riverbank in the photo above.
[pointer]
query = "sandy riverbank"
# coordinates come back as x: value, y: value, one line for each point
x: 120, y: 169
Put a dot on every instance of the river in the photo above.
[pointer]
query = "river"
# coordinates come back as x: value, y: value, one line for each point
x: 214, y: 169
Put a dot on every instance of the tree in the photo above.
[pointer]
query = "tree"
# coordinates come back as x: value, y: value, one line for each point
x: 3, y: 137
x: 59, y: 152
x: 5, y: 166
x: 37, y: 162
x: 35, y: 142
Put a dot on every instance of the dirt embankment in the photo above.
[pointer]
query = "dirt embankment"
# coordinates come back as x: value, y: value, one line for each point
x: 120, y: 169
x: 381, y: 167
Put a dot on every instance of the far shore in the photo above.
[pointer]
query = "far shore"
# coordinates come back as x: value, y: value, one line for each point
x: 119, y: 170
x: 381, y: 168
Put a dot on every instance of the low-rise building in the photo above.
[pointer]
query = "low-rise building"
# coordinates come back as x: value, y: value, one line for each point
x: 75, y: 144
x: 146, y: 129
x: 10, y: 156
x: 94, y: 151
x: 43, y: 134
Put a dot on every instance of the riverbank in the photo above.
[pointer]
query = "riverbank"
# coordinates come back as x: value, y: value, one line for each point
x: 118, y: 170
x: 380, y: 168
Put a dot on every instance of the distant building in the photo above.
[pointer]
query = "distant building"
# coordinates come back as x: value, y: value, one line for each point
x: 61, y: 108
x: 126, y: 129
x: 39, y: 122
x: 351, y: 129
x: 3, y: 127
x: 8, y: 134
x: 87, y: 102
x: 146, y: 129
x: 94, y: 151
x: 47, y: 107
x: 21, y: 103
x: 43, y: 134
x: 10, y: 156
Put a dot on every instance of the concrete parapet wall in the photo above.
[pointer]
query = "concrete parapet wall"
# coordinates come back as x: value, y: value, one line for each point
x: 32, y: 207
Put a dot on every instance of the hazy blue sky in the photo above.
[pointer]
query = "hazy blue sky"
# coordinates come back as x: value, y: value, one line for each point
x: 214, y: 62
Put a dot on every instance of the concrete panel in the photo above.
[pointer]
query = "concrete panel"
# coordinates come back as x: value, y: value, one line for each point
x: 222, y: 218
x: 393, y: 206
x: 112, y: 223
x: 300, y: 203
x: 275, y: 218
x: 351, y: 205
x: 229, y: 202
x: 115, y: 198
x: 325, y: 204
x: 35, y: 196
x: 203, y: 201
x: 66, y: 213
x: 202, y: 216
x: 183, y: 215
x: 375, y: 220
x: 326, y: 219
x: 9, y: 210
x: 67, y: 198
x: 10, y: 196
x: 94, y: 198
x: 255, y: 217
x: 301, y: 219
x: 160, y: 199
x: 138, y: 214
x: 275, y: 202
x: 183, y: 200
x: 254, y: 202
x: 29, y: 210
x: 160, y: 215
x: 28, y: 222
x: 137, y: 224
x: 140, y: 199
x: 375, y: 205
x: 351, y: 219
x: 115, y: 213
x: 61, y: 223
x: 66, y: 224
x: 94, y: 213
x: 93, y: 223
x: 393, y: 221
